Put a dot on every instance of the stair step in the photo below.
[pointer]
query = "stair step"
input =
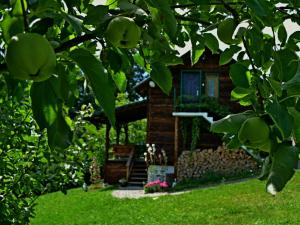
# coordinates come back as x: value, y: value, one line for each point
x: 139, y: 170
x: 135, y: 183
x: 139, y: 174
x: 137, y: 178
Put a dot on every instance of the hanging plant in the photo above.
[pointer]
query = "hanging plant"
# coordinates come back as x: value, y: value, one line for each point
x: 196, y: 129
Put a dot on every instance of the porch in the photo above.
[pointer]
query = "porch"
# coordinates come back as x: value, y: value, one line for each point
x: 122, y: 158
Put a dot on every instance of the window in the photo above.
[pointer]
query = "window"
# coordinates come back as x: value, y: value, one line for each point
x: 212, y: 85
x: 190, y: 86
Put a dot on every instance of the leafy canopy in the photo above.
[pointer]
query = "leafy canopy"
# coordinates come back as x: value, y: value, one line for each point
x: 266, y: 72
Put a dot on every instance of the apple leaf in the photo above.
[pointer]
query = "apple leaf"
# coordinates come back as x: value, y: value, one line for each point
x: 59, y: 133
x: 98, y: 78
x: 284, y: 162
x: 276, y: 86
x: 120, y: 80
x: 226, y: 29
x: 211, y: 42
x: 162, y: 76
x: 284, y: 59
x: 240, y: 75
x: 282, y: 34
x: 11, y: 26
x: 228, y: 53
x: 296, y: 125
x: 95, y: 14
x: 265, y: 170
x: 293, y: 85
x: 231, y: 123
x: 44, y: 103
x: 196, y: 53
x: 281, y: 117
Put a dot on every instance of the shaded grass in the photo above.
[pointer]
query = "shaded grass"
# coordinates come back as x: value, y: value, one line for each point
x: 239, y: 203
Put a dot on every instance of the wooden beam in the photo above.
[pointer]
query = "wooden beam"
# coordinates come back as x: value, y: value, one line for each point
x: 118, y: 131
x: 107, y: 141
x: 126, y: 133
x: 176, y: 142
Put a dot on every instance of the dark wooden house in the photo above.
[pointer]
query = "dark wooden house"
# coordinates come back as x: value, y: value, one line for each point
x: 165, y: 112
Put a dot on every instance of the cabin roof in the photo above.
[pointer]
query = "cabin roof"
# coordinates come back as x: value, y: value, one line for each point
x: 124, y: 114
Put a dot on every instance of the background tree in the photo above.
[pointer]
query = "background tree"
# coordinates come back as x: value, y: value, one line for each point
x: 266, y: 73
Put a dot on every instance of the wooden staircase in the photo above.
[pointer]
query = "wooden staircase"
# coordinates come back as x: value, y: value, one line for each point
x: 138, y: 175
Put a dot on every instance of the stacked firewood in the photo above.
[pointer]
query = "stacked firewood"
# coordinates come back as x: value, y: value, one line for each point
x: 194, y: 164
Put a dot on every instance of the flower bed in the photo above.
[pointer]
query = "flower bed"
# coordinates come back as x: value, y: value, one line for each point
x: 156, y: 186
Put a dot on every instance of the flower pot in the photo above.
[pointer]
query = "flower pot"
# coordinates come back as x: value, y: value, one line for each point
x: 158, y: 172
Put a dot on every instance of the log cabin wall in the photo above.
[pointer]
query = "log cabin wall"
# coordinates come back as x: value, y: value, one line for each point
x: 160, y: 127
x: 161, y: 123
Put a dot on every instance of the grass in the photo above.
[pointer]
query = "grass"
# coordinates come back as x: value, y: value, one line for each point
x: 238, y: 203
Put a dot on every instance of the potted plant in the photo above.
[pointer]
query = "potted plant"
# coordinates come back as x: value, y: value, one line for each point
x: 156, y: 160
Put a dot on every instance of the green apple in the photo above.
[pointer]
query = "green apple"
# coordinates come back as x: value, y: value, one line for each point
x: 122, y: 32
x: 30, y: 57
x: 255, y: 133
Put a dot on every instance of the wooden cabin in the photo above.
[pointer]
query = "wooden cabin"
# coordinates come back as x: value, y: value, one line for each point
x: 165, y: 112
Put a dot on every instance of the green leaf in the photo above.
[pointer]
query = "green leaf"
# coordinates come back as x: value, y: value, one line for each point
x: 276, y: 86
x: 240, y: 75
x: 59, y: 133
x: 74, y: 22
x: 258, y: 7
x: 11, y: 26
x: 164, y: 14
x: 98, y: 79
x: 293, y: 85
x: 285, y: 65
x: 282, y: 34
x: 162, y: 76
x: 170, y: 22
x: 284, y: 162
x: 281, y: 117
x: 228, y: 53
x: 296, y: 125
x: 211, y: 42
x: 120, y: 80
x: 266, y: 168
x: 196, y: 53
x: 112, y: 4
x: 95, y: 14
x: 262, y: 10
x: 226, y: 29
x: 44, y: 103
x: 231, y: 123
x: 240, y: 93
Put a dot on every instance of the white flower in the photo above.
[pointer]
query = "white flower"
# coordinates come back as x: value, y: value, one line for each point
x: 147, y: 145
x: 145, y: 153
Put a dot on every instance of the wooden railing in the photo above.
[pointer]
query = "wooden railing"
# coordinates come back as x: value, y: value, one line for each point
x: 129, y: 164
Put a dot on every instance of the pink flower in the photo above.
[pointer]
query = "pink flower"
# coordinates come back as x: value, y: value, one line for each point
x: 163, y: 184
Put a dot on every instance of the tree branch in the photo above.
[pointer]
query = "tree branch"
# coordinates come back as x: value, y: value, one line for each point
x: 183, y: 18
x: 290, y: 16
x: 210, y: 3
x: 26, y: 26
x: 73, y: 42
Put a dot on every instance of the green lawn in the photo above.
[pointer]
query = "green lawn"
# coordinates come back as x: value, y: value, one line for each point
x: 240, y: 203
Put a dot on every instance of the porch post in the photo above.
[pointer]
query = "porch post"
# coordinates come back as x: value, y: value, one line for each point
x: 107, y: 140
x: 118, y: 129
x: 176, y: 142
x: 126, y: 133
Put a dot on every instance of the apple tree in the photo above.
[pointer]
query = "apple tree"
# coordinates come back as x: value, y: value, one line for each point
x: 105, y: 39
